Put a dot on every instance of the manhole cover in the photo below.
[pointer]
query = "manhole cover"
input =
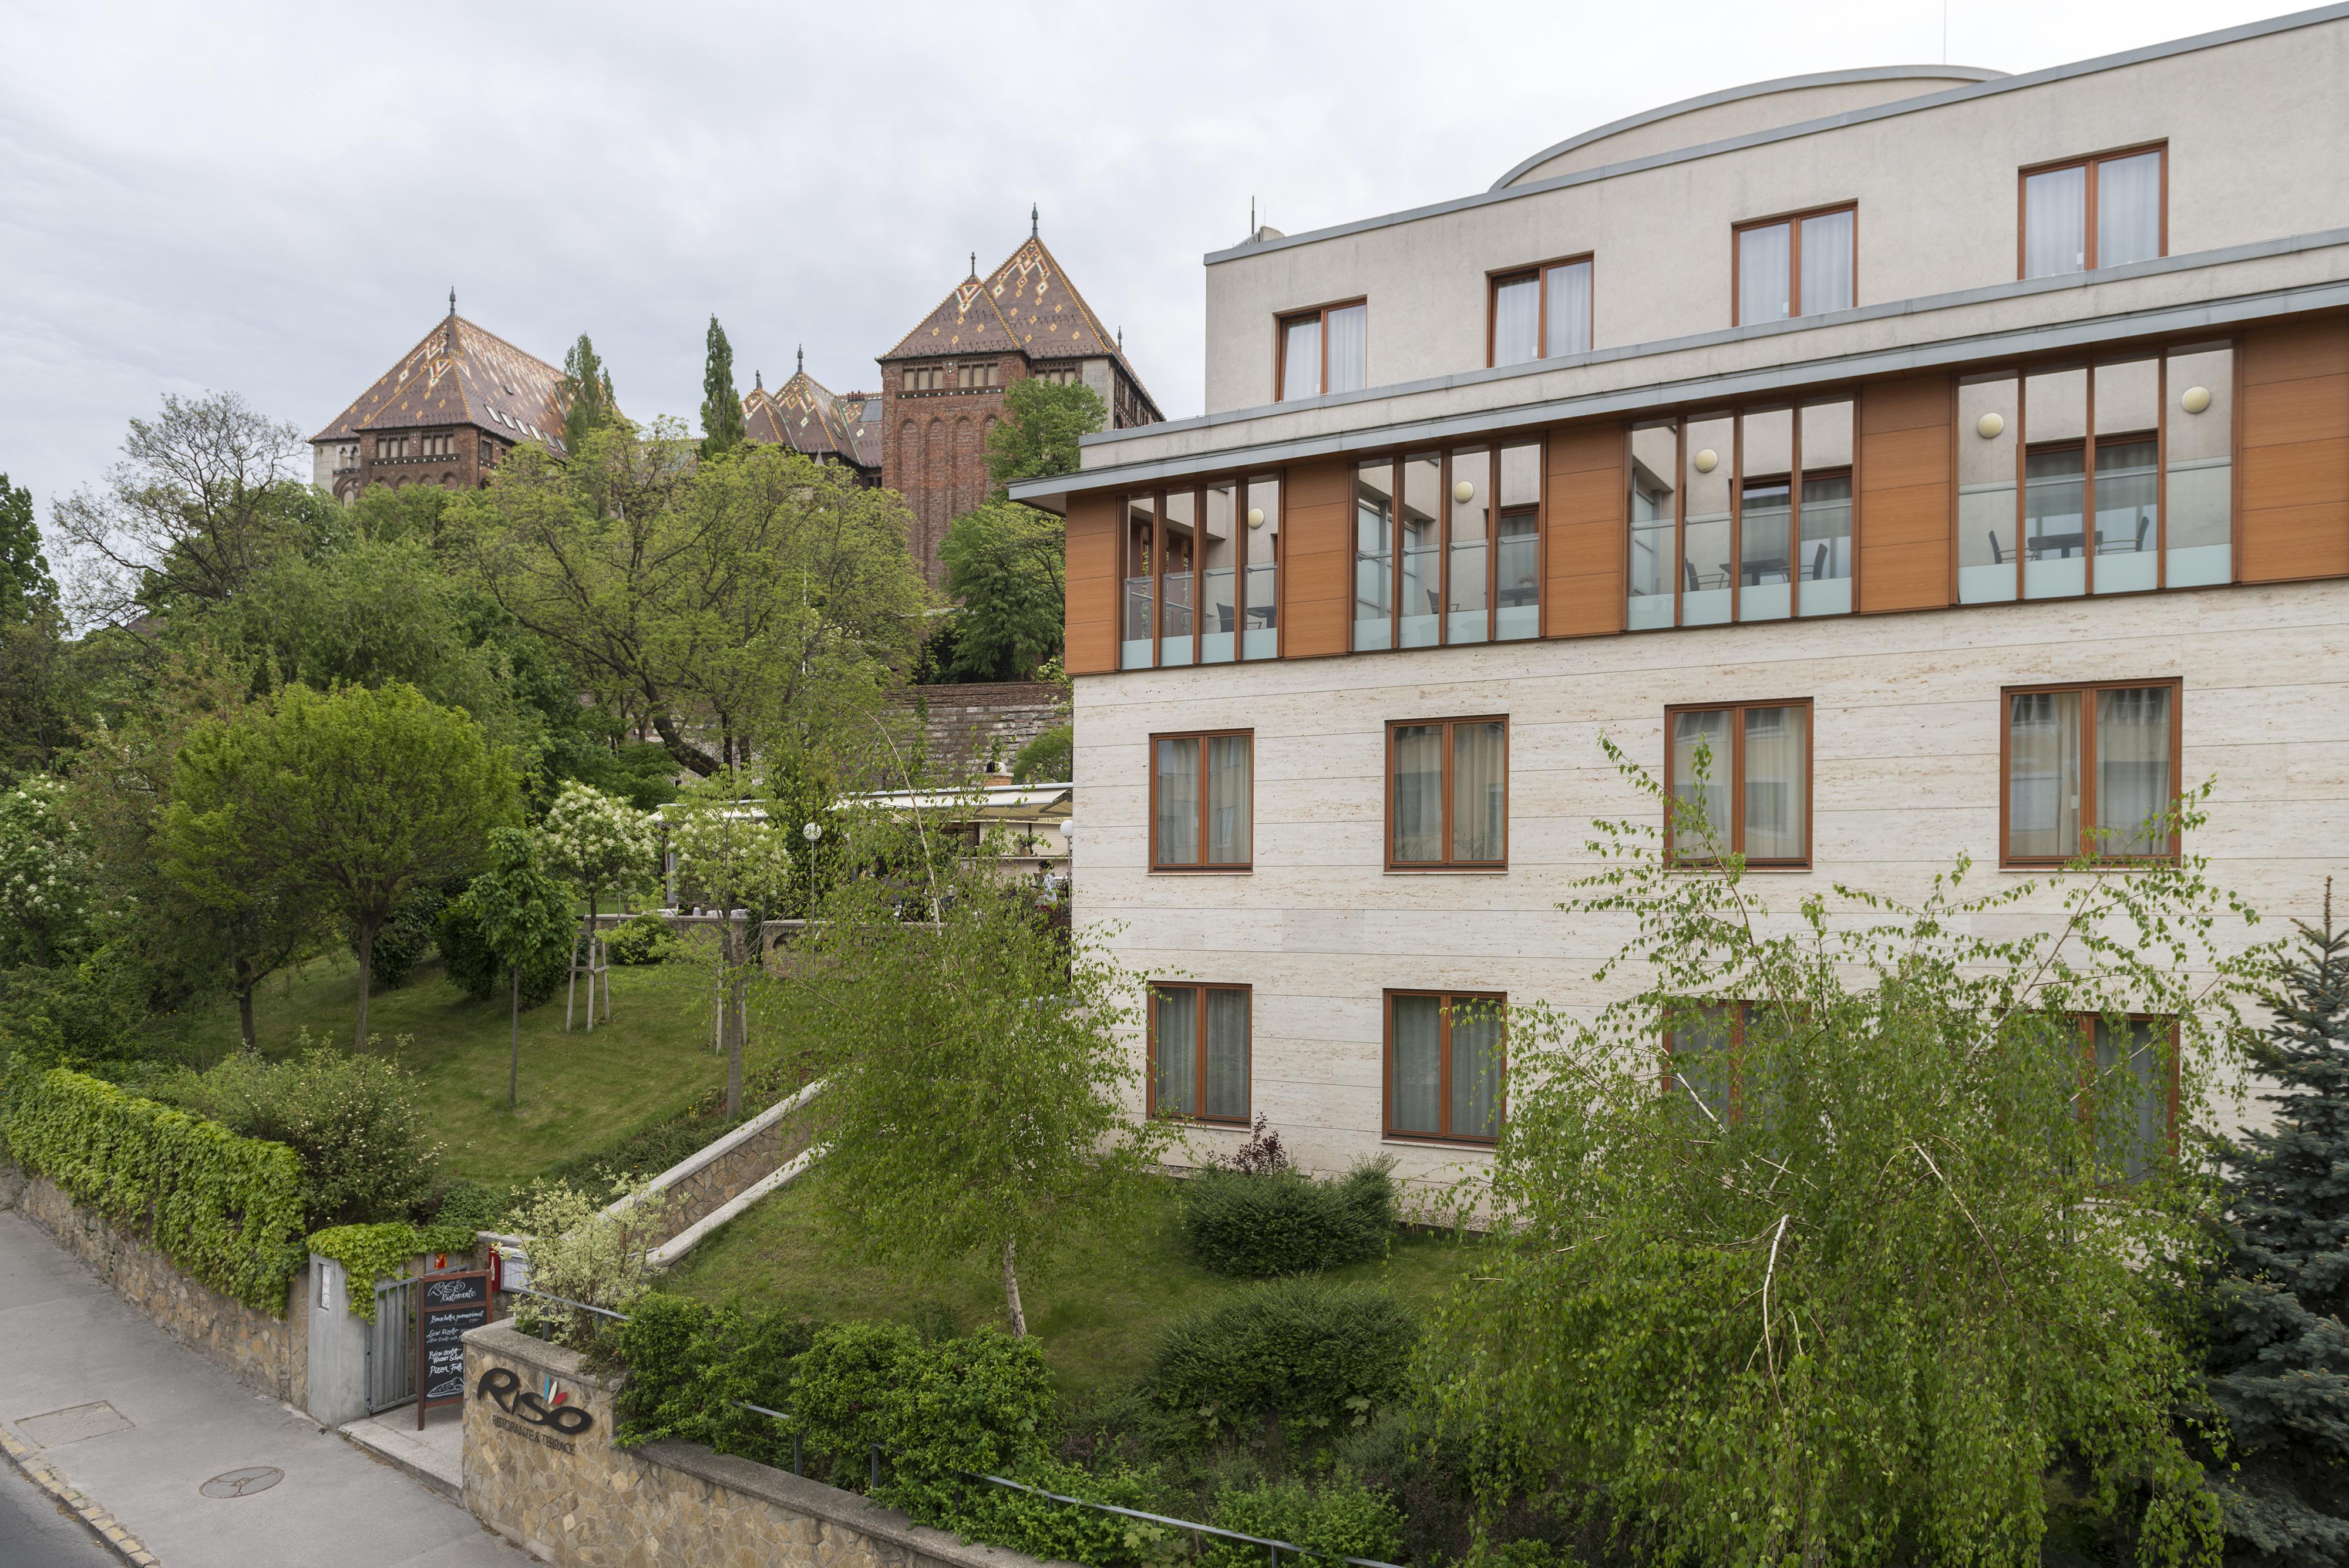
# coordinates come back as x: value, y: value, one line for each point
x: 244, y: 1482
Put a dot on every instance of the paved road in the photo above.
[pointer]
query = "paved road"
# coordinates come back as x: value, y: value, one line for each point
x: 34, y: 1532
x: 70, y: 1342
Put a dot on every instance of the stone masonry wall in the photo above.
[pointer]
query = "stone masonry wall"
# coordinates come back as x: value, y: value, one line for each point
x: 578, y: 1501
x: 700, y: 1193
x: 968, y: 725
x: 270, y: 1353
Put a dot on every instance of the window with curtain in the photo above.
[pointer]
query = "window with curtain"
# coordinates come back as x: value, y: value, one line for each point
x: 2089, y: 769
x: 1448, y: 794
x: 2130, y: 1108
x: 1446, y: 1061
x: 1324, y: 350
x: 1541, y: 311
x: 1798, y: 266
x: 1202, y: 802
x: 1748, y: 769
x: 1701, y: 1053
x: 1199, y: 1052
x: 2092, y: 213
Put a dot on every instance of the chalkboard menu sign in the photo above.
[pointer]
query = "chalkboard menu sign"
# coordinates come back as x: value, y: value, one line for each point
x: 447, y: 1306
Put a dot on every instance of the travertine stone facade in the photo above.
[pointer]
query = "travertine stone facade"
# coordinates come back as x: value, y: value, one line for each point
x: 578, y: 1501
x: 270, y: 1353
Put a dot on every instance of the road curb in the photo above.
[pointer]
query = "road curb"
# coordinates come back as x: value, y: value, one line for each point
x: 109, y: 1531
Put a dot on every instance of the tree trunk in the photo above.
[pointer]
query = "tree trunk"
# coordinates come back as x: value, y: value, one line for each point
x: 514, y: 1062
x: 591, y: 960
x: 366, y: 979
x: 245, y: 981
x: 1012, y: 1291
x: 730, y: 1018
x: 693, y: 757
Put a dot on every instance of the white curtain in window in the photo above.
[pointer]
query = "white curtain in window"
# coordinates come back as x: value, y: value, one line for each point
x: 1349, y: 348
x: 1777, y: 752
x: 1701, y: 1056
x: 1476, y: 1069
x: 1178, y: 802
x: 1418, y: 1063
x: 2055, y: 222
x: 1300, y: 359
x: 1175, y: 1025
x: 2129, y: 209
x: 1516, y: 321
x: 1708, y: 732
x: 1229, y: 799
x: 1570, y: 310
x: 2133, y: 769
x: 1227, y: 1056
x: 1827, y: 263
x: 1419, y: 792
x: 2043, y: 774
x: 1762, y: 273
x: 1480, y: 760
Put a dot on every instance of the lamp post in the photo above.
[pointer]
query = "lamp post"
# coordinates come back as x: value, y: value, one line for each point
x: 811, y: 832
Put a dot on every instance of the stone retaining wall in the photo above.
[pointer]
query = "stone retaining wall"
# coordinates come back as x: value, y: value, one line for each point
x: 576, y: 1500
x: 698, y: 1186
x: 270, y: 1353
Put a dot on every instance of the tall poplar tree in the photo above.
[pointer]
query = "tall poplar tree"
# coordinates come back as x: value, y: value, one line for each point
x: 588, y: 404
x: 721, y: 408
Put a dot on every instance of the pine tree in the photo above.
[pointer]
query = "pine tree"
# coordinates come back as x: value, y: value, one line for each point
x: 588, y: 403
x: 2279, y: 1359
x: 721, y: 409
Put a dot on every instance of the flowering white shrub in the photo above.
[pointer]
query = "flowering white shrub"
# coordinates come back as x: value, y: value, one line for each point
x: 45, y: 872
x: 598, y: 842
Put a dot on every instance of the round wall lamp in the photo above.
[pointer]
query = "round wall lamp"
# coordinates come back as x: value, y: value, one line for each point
x: 1256, y: 516
x: 1464, y: 492
x: 1989, y: 427
x: 1707, y: 460
x: 2196, y: 399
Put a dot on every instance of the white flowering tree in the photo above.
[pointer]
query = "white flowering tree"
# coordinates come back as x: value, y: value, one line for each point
x: 729, y: 846
x: 45, y: 874
x: 600, y: 844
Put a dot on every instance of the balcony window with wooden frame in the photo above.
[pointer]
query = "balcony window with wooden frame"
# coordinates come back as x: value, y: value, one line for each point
x: 1198, y: 1045
x: 1446, y: 1060
x: 2088, y: 769
x: 1325, y: 349
x: 1538, y: 312
x: 1202, y: 802
x: 2086, y: 213
x: 1199, y: 577
x: 1741, y: 516
x: 1448, y: 547
x: 1448, y: 795
x: 1803, y: 264
x: 1756, y: 784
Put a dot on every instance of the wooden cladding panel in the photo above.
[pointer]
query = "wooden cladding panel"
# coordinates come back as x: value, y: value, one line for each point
x: 1317, y: 608
x: 1582, y: 593
x: 1904, y: 492
x: 2295, y: 454
x: 1093, y: 585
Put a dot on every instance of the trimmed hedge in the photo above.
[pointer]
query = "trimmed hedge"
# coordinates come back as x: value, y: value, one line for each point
x: 1261, y: 1226
x: 224, y: 1209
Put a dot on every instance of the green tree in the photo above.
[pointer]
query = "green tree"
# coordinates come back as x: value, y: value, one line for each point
x: 25, y: 581
x: 2279, y: 1357
x: 721, y: 405
x: 523, y: 916
x: 734, y: 850
x: 587, y: 392
x: 1006, y: 563
x: 1828, y: 1245
x: 599, y: 844
x: 360, y: 795
x: 1042, y: 424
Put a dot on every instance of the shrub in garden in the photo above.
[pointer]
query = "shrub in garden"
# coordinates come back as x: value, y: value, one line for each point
x: 691, y: 1367
x: 1316, y: 1357
x: 1282, y: 1222
x: 586, y: 1249
x: 478, y: 972
x: 643, y: 940
x: 1341, y: 1516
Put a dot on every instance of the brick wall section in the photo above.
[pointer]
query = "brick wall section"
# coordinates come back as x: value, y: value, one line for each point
x: 270, y: 1353
x: 966, y: 724
x: 933, y: 451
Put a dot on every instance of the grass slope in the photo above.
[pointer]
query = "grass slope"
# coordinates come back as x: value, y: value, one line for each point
x: 1101, y: 1312
x: 580, y: 1092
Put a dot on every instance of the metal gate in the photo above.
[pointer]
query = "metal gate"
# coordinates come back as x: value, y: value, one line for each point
x: 391, y: 1346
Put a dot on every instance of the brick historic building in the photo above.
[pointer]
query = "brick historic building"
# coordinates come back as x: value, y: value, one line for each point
x: 808, y: 418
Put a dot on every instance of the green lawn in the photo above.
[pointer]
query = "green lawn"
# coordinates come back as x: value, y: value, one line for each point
x: 581, y: 1091
x: 1101, y: 1312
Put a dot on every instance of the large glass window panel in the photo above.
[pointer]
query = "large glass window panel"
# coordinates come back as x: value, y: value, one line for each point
x: 1705, y: 570
x: 2129, y: 209
x: 1822, y: 548
x: 2055, y: 222
x: 2055, y: 486
x: 1226, y: 1074
x: 1374, y: 553
x: 1480, y: 791
x: 2043, y: 776
x: 1175, y: 622
x: 1517, y: 567
x: 1300, y: 357
x: 1230, y: 830
x: 1349, y: 348
x: 1765, y: 283
x: 1422, y: 546
x: 1415, y: 1090
x: 2133, y: 782
x: 1655, y: 464
x: 1703, y: 1066
x: 1175, y: 834
x: 1827, y: 261
x: 1987, y: 570
x: 2128, y: 532
x: 1777, y: 789
x: 1134, y: 628
x: 1516, y: 320
x: 1569, y: 308
x: 1261, y: 638
x: 1702, y: 762
x: 1418, y: 794
x: 2199, y: 532
x: 1475, y: 1087
x: 1174, y: 1028
x: 1219, y: 553
x: 2131, y: 1102
x: 1471, y: 539
x: 1765, y: 540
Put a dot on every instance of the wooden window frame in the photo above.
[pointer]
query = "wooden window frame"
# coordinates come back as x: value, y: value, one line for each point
x: 2087, y: 690
x: 1203, y: 737
x: 1737, y: 779
x: 1493, y: 446
x: 1447, y: 864
x: 1794, y: 222
x: 1539, y: 272
x: 1199, y: 1089
x: 1244, y: 546
x: 2087, y: 1023
x: 1389, y: 1132
x: 2090, y: 161
x: 1281, y: 325
x: 1738, y: 1012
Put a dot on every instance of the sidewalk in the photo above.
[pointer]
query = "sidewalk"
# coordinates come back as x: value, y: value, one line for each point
x: 139, y: 1424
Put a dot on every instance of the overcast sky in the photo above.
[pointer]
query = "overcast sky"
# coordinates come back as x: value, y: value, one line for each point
x: 277, y: 199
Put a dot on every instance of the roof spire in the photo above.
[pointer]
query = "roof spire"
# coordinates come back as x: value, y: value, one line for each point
x: 452, y: 299
x: 974, y: 264
x: 757, y: 380
x: 803, y: 359
x: 1031, y: 220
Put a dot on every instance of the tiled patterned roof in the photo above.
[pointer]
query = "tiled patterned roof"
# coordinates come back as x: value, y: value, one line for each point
x: 803, y: 415
x: 460, y: 375
x: 1026, y: 304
